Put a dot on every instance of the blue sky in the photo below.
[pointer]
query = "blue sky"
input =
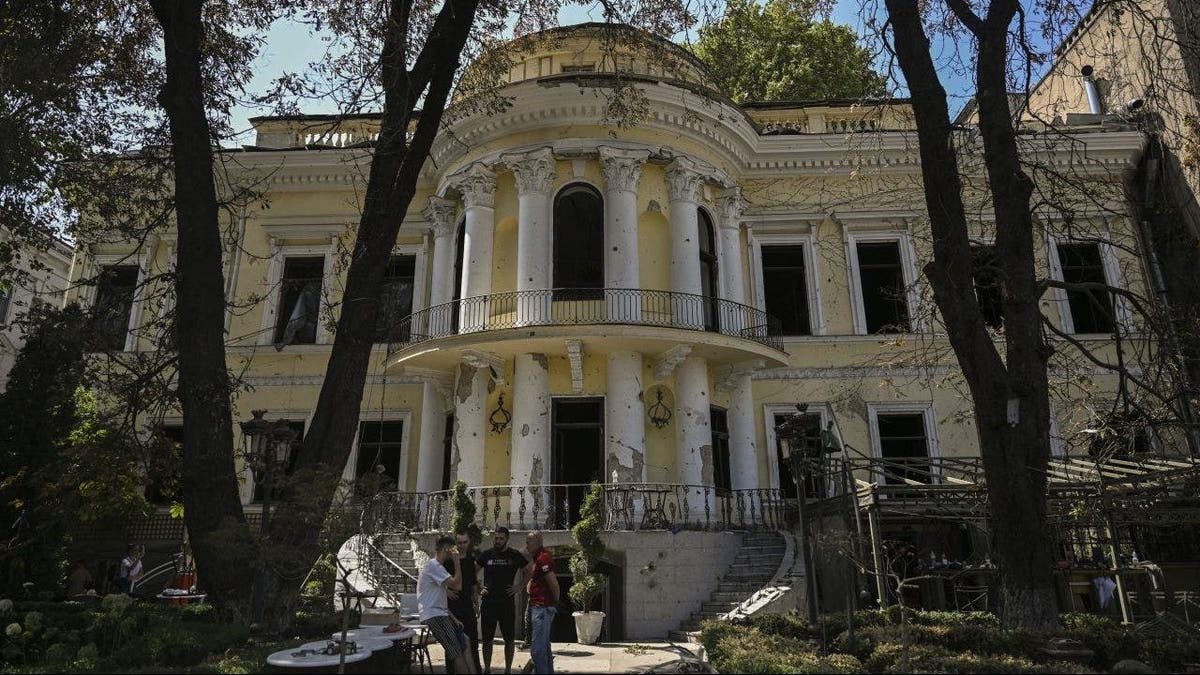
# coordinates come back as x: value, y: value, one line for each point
x: 290, y: 47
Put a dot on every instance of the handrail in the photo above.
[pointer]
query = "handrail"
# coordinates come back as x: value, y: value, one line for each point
x: 587, y: 306
x: 377, y: 583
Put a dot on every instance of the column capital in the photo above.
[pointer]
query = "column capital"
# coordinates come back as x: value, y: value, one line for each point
x: 534, y: 170
x: 477, y: 183
x: 622, y: 168
x: 440, y: 214
x: 731, y: 205
x: 683, y: 180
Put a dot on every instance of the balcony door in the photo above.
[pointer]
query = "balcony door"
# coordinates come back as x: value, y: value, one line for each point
x: 577, y: 453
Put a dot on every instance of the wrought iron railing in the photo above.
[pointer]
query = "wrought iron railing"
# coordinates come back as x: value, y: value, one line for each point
x: 589, y: 306
x: 627, y: 507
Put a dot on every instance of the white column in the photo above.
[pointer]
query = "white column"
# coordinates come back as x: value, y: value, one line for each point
x: 693, y: 435
x: 624, y: 423
x: 743, y: 451
x: 470, y: 424
x: 534, y: 173
x: 730, y: 261
x: 440, y: 214
x: 683, y: 180
x: 433, y: 428
x: 478, y: 187
x: 622, y: 172
x: 530, y: 435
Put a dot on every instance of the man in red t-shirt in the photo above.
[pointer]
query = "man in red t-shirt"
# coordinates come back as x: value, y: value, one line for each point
x: 543, y: 601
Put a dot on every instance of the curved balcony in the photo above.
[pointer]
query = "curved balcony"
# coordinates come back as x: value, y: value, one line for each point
x: 558, y: 313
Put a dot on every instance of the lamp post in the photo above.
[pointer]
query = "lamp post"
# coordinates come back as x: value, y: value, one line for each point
x: 796, y: 450
x: 266, y: 449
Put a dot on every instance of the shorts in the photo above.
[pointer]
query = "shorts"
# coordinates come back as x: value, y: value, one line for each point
x: 502, y: 613
x: 447, y: 634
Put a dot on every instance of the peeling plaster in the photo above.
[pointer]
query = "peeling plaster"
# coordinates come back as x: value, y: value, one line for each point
x: 541, y: 360
x: 535, y: 474
x: 706, y: 464
x: 466, y: 376
x: 524, y: 429
x: 626, y: 474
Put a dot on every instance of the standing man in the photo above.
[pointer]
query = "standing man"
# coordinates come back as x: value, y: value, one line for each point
x: 500, y: 567
x: 543, y: 601
x: 432, y: 606
x: 462, y: 601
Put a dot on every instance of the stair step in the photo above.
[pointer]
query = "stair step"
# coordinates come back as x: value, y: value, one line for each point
x: 735, y: 597
x: 744, y: 557
x: 775, y: 549
x: 719, y: 607
x: 684, y: 637
x: 735, y: 587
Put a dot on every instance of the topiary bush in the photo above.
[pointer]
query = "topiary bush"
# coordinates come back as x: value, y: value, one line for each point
x: 586, y: 585
x: 463, y: 508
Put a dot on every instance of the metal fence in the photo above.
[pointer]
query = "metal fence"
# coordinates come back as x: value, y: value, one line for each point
x: 589, y: 306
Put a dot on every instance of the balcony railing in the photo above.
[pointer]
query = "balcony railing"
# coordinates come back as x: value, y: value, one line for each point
x: 589, y: 306
x: 627, y: 507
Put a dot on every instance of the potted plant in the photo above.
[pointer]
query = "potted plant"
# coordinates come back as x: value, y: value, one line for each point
x: 585, y: 584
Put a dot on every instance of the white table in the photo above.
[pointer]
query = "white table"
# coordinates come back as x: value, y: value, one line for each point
x: 372, y: 633
x: 284, y: 658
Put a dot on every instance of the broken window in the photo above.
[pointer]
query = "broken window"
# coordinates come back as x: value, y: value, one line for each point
x: 113, y: 310
x: 447, y: 450
x: 708, y: 270
x: 719, y: 423
x: 379, y: 450
x: 299, y: 301
x: 396, y: 300
x: 785, y: 286
x: 1091, y: 308
x: 903, y: 447
x: 809, y: 443
x: 578, y: 244
x: 988, y: 290
x: 881, y: 278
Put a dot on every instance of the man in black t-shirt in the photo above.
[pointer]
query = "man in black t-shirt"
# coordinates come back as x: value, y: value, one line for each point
x: 461, y: 603
x: 500, y: 567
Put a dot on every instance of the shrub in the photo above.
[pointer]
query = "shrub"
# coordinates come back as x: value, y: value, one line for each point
x: 586, y: 586
x: 782, y: 625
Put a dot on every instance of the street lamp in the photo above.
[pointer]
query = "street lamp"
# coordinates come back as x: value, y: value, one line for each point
x: 267, y: 447
x: 798, y: 452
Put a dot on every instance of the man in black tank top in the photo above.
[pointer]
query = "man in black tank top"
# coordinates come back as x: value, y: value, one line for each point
x: 500, y: 565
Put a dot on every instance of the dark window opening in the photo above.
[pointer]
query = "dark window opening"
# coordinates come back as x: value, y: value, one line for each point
x: 1091, y: 309
x: 396, y: 300
x: 904, y: 447
x: 709, y: 284
x: 590, y: 68
x: 577, y: 449
x: 114, y: 305
x: 447, y: 450
x: 988, y: 290
x: 719, y: 423
x: 578, y: 244
x: 299, y: 301
x: 163, y: 480
x: 785, y: 285
x: 881, y: 276
x: 379, y: 450
x: 459, y: 251
x: 287, y: 465
x: 810, y: 443
x: 1121, y: 436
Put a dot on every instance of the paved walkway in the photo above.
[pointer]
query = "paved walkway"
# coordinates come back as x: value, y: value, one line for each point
x: 610, y: 657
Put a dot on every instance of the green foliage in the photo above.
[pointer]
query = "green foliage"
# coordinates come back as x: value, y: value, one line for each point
x: 781, y: 51
x: 747, y: 649
x: 464, y: 513
x: 586, y: 585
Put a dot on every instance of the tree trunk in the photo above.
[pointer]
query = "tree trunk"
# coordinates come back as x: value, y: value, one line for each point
x: 1014, y: 445
x: 213, y: 512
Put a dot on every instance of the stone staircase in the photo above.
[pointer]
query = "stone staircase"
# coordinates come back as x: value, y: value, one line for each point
x: 756, y: 563
x: 376, y: 573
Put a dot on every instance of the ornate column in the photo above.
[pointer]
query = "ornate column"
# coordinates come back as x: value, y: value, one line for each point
x: 743, y: 450
x: 440, y: 214
x: 693, y: 435
x: 534, y: 172
x: 530, y: 437
x: 730, y: 262
x: 683, y: 180
x: 478, y: 187
x: 433, y: 429
x: 625, y: 425
x: 622, y: 173
x: 470, y: 424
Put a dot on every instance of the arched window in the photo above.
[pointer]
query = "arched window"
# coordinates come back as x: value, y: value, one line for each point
x: 708, y: 269
x: 578, y: 243
x: 460, y: 236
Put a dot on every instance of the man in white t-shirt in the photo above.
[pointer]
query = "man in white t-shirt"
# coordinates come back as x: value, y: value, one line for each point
x: 433, y: 607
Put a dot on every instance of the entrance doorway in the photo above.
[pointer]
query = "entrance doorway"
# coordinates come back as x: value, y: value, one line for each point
x: 577, y: 453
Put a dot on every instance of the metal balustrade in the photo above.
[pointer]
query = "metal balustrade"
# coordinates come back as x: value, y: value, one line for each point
x: 589, y: 306
x: 627, y: 508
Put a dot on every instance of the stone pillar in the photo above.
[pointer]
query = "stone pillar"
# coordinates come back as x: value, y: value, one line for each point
x: 734, y: 319
x: 622, y: 172
x: 693, y: 437
x: 743, y: 450
x: 683, y: 180
x: 478, y: 187
x: 530, y: 437
x: 625, y: 427
x: 440, y: 214
x: 470, y: 424
x: 534, y: 173
x: 433, y: 428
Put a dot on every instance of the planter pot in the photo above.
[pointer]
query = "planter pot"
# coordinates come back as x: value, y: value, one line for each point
x: 587, y: 626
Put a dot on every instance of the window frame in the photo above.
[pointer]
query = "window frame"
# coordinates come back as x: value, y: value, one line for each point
x: 770, y: 410
x: 139, y: 259
x: 925, y: 409
x: 1122, y: 318
x: 417, y: 254
x: 908, y: 272
x: 349, y: 473
x: 812, y: 277
x: 573, y: 184
x: 279, y: 255
x: 727, y: 463
x: 710, y: 265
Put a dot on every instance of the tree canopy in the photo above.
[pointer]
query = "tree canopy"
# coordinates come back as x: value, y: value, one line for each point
x: 783, y: 51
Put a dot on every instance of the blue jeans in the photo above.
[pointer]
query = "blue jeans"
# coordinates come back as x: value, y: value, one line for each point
x: 539, y: 649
